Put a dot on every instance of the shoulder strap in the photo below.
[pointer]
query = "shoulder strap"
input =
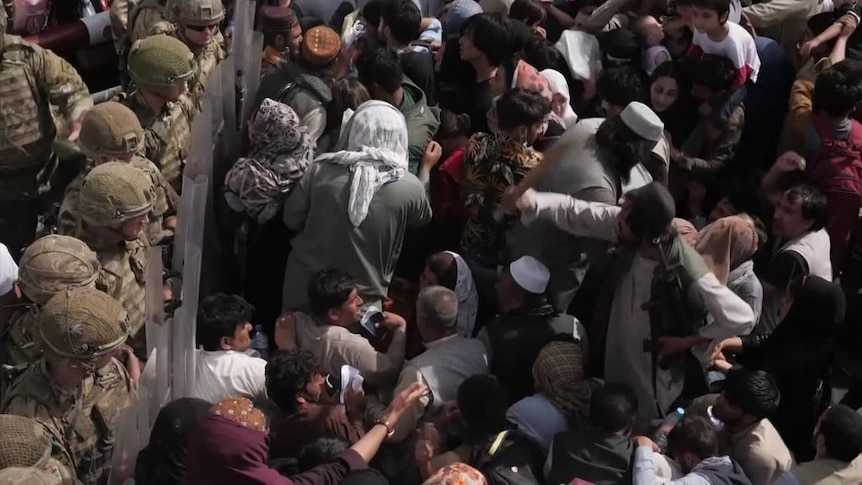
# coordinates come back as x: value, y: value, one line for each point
x: 498, y: 441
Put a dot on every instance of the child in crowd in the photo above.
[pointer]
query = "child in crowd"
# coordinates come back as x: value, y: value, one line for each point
x: 651, y: 35
x: 714, y: 34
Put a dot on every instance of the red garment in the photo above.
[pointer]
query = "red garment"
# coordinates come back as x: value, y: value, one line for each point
x: 446, y: 192
x: 223, y: 452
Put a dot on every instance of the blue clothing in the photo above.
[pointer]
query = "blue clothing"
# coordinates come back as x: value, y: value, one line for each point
x: 538, y: 418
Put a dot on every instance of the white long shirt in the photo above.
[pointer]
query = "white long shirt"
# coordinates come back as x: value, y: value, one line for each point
x: 629, y: 324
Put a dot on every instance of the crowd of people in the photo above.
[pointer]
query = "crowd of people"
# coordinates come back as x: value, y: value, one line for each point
x: 473, y: 242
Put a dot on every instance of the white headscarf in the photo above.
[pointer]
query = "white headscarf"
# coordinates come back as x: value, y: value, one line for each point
x: 374, y: 146
x: 468, y: 299
x: 559, y: 86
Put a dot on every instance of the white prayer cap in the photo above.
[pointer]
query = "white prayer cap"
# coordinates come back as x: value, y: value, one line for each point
x: 643, y: 121
x: 530, y: 274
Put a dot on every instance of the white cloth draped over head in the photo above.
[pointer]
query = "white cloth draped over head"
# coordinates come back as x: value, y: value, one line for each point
x: 468, y: 299
x: 373, y: 146
x: 558, y: 85
x: 581, y: 52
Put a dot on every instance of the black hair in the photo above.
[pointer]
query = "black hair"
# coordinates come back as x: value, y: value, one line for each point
x: 521, y: 107
x: 626, y: 145
x: 489, y: 35
x: 842, y: 433
x: 720, y: 7
x: 812, y: 204
x: 753, y: 391
x: 371, y: 12
x: 320, y: 451
x: 380, y: 66
x: 445, y: 268
x: 838, y: 89
x: 613, y: 407
x: 347, y: 92
x: 621, y: 85
x: 482, y: 402
x: 452, y: 125
x: 219, y: 316
x: 672, y: 69
x: 620, y: 47
x: 287, y: 374
x: 694, y: 434
x: 403, y: 19
x: 713, y: 71
x: 542, y: 55
x: 329, y: 289
x: 527, y: 11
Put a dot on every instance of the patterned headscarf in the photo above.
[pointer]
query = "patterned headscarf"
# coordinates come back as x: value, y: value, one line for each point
x: 281, y: 151
x: 241, y: 410
x: 727, y: 243
x: 558, y: 374
x: 373, y: 146
x: 457, y: 474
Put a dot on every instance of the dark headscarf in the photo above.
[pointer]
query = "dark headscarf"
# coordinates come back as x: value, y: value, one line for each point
x: 163, y: 461
x: 222, y: 451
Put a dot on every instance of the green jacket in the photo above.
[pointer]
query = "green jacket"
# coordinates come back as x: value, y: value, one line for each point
x: 422, y: 122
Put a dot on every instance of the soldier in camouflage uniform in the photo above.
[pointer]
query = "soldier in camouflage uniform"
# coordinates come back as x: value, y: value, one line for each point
x: 114, y: 205
x: 110, y: 132
x: 31, y: 79
x: 26, y: 446
x: 160, y: 66
x: 198, y: 23
x: 78, y: 389
x: 50, y: 265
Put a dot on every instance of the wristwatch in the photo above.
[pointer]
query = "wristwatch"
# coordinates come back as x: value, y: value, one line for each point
x: 389, y: 429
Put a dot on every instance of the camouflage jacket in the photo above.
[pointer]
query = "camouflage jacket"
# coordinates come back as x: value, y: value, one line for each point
x: 206, y: 60
x: 81, y: 422
x: 123, y: 276
x: 167, y: 136
x: 165, y: 204
x: 31, y: 80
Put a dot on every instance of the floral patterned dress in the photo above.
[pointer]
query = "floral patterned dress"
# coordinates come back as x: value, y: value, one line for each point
x: 492, y: 163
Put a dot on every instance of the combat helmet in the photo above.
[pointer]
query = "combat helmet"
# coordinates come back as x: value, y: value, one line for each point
x: 82, y: 325
x: 159, y: 61
x: 25, y: 442
x: 115, y: 192
x: 56, y: 263
x: 196, y: 12
x: 110, y: 129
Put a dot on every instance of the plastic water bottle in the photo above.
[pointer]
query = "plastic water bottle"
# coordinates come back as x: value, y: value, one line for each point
x: 669, y: 422
x: 260, y: 342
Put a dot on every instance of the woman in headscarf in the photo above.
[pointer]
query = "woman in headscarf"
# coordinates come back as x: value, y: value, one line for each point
x: 353, y: 207
x: 230, y: 446
x: 457, y: 474
x: 256, y: 187
x: 449, y: 270
x: 562, y: 397
x: 799, y: 354
x: 280, y: 153
x: 728, y: 246
x: 561, y: 105
x: 163, y: 461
